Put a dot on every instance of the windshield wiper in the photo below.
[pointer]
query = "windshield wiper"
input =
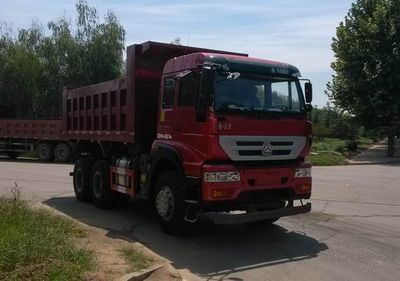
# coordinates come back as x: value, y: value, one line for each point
x: 233, y: 107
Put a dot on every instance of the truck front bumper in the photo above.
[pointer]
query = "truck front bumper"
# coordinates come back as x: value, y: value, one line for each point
x: 257, y: 184
x: 228, y: 218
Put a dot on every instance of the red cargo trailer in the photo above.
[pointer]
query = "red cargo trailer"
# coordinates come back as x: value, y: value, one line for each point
x: 44, y: 136
x: 194, y: 130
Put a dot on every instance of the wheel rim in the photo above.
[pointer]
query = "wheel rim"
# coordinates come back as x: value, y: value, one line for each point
x: 43, y: 152
x: 97, y: 185
x: 165, y: 203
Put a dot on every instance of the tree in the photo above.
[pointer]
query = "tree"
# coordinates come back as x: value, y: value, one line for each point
x: 36, y: 65
x: 176, y: 41
x: 367, y: 66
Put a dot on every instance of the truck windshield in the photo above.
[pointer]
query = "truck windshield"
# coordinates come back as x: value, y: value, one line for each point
x: 249, y: 93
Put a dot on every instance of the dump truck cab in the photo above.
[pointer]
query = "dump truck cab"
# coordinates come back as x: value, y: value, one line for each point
x: 238, y: 129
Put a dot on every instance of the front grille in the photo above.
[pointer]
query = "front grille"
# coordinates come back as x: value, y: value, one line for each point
x: 249, y: 143
x: 249, y: 152
x: 283, y: 143
x: 281, y: 152
x: 250, y: 148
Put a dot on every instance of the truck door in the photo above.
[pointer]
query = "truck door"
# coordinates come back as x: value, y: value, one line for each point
x: 166, y: 115
x: 187, y: 130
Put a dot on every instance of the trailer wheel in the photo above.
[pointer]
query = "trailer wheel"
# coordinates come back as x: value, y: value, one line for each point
x: 81, y: 179
x: 168, y: 202
x: 63, y: 152
x: 102, y: 195
x: 45, y: 152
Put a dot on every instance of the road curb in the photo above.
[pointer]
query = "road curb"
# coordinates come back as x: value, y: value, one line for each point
x: 162, y: 265
x: 394, y: 161
x: 141, y: 274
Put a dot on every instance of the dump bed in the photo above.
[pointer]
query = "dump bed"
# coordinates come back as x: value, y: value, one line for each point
x: 31, y: 129
x: 98, y: 112
x: 123, y: 110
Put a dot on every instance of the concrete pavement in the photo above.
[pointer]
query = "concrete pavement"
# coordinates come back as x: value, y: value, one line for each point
x: 353, y: 232
x: 377, y: 154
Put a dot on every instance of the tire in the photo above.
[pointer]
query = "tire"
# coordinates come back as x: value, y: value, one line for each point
x: 63, y: 153
x: 81, y: 179
x: 168, y: 203
x: 45, y: 152
x: 102, y: 195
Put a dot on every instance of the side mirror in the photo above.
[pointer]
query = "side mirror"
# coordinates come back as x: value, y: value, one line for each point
x: 309, y: 107
x: 308, y: 92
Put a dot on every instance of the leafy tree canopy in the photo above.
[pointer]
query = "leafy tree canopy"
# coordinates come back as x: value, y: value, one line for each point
x: 40, y: 61
x: 367, y: 64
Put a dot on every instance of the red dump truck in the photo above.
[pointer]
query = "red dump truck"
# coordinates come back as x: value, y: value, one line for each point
x: 194, y: 130
x: 18, y: 136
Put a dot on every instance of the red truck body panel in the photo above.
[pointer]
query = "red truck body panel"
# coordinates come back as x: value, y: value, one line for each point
x: 98, y: 112
x: 31, y: 129
x: 126, y: 108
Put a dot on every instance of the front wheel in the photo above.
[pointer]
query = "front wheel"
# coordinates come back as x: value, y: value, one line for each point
x: 168, y: 202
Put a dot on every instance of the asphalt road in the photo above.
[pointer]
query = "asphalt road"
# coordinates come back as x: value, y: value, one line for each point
x: 353, y: 232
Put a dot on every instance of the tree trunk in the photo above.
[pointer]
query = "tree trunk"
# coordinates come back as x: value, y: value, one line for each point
x: 390, y: 151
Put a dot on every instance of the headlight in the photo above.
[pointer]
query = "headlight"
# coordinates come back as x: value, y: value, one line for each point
x: 221, y: 176
x: 303, y: 173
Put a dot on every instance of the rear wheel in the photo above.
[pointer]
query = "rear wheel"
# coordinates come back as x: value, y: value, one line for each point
x: 168, y: 202
x: 81, y: 178
x: 63, y: 152
x: 102, y: 195
x: 45, y: 152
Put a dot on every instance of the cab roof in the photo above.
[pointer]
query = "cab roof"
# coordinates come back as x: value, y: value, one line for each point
x: 235, y: 62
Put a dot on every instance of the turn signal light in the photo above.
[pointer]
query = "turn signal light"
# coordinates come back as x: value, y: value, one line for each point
x: 305, y: 187
x: 217, y: 193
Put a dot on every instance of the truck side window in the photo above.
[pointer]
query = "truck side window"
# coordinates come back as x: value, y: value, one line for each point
x: 188, y: 90
x: 168, y: 93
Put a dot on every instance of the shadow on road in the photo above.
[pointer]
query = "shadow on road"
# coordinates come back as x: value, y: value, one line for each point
x: 207, y: 250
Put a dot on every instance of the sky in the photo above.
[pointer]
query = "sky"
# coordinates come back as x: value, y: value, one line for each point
x: 298, y: 32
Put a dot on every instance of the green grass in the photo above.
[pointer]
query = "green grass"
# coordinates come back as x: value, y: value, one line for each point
x: 329, y: 144
x: 135, y: 259
x: 333, y: 151
x: 35, y: 244
x: 326, y: 159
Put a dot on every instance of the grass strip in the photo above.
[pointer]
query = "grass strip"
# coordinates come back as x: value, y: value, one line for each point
x: 135, y: 259
x: 36, y: 244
